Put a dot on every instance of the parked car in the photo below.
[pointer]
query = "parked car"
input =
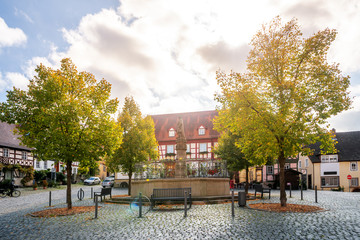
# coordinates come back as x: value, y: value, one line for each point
x: 110, y: 178
x: 107, y: 183
x: 92, y: 181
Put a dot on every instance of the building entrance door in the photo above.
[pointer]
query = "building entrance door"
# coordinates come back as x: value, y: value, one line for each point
x: 309, y: 182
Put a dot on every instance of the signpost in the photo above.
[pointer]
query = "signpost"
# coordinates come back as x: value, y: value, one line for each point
x: 349, y: 178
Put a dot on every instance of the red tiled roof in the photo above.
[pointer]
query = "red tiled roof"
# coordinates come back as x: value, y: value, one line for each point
x: 192, y: 122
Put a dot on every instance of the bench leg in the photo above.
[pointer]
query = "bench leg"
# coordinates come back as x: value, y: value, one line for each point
x: 152, y: 204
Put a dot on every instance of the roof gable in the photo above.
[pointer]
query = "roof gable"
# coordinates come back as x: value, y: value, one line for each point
x: 8, y: 138
x: 348, y: 147
x: 192, y: 122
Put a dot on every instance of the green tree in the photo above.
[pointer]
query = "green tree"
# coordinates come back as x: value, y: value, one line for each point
x: 65, y: 115
x: 232, y: 154
x: 139, y: 142
x: 283, y: 101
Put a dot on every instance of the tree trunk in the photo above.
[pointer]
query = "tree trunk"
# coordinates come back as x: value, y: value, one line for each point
x: 247, y: 180
x: 129, y: 188
x: 68, y: 184
x: 282, y: 179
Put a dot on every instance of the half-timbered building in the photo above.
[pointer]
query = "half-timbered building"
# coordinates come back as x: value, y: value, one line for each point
x: 12, y: 153
x: 200, y: 136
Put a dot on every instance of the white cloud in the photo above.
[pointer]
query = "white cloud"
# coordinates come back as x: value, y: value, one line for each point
x: 13, y: 79
x: 3, y: 84
x: 165, y: 53
x: 18, y: 80
x: 23, y: 14
x: 11, y: 36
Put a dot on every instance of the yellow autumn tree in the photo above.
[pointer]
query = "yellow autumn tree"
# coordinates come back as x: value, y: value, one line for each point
x: 283, y: 100
x: 65, y: 115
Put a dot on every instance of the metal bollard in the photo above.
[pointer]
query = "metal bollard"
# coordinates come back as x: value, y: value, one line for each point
x: 92, y: 193
x: 290, y: 190
x: 50, y: 199
x: 316, y: 194
x: 301, y: 188
x: 185, y: 203
x: 241, y: 198
x: 140, y: 204
x: 96, y: 206
x: 80, y: 194
x: 232, y: 204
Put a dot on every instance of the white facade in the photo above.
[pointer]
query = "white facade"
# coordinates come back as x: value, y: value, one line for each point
x: 43, y: 165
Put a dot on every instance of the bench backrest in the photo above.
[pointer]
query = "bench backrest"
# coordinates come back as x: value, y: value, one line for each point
x: 106, y: 191
x: 170, y: 192
x: 258, y: 187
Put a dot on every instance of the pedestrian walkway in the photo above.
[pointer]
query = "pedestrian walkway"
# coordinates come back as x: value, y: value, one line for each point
x: 341, y: 220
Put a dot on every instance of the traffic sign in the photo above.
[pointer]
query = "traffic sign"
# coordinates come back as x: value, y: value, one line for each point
x: 349, y: 177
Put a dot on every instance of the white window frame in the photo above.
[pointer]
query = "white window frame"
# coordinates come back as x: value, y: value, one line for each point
x: 24, y: 155
x: 354, y: 182
x: 45, y: 165
x: 306, y: 162
x: 329, y: 158
x: 171, y: 132
x: 37, y: 164
x: 201, y: 130
x: 203, y: 147
x: 270, y: 170
x: 299, y: 163
x: 353, y: 166
x: 169, y: 148
x: 5, y: 152
x: 329, y: 180
x: 188, y: 149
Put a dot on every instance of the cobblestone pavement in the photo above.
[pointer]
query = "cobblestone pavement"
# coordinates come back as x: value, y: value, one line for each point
x: 341, y: 220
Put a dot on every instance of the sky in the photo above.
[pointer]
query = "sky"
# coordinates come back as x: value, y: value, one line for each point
x: 165, y: 53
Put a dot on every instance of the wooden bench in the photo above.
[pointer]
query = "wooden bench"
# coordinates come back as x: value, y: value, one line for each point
x: 260, y: 189
x: 170, y: 194
x: 103, y: 193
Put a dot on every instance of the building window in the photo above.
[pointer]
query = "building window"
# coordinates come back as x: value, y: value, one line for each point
x: 300, y: 164
x: 329, y: 158
x: 287, y: 165
x: 201, y: 130
x: 306, y: 162
x: 6, y: 152
x: 172, y: 132
x: 353, y: 166
x: 45, y: 164
x: 37, y: 164
x: 74, y: 170
x: 24, y: 155
x: 329, y: 181
x: 188, y: 148
x: 270, y: 170
x: 203, y: 147
x: 170, y: 149
x: 354, y: 182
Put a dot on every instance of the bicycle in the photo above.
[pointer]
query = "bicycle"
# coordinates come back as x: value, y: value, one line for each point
x: 9, y: 192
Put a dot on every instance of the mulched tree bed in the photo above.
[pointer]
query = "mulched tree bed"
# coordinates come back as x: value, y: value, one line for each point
x: 276, y: 207
x: 55, y: 212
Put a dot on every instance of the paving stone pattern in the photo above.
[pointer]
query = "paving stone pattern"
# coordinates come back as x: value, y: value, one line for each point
x: 341, y: 220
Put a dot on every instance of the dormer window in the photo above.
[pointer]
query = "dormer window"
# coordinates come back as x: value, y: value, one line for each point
x: 329, y: 158
x: 201, y: 130
x: 172, y: 132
